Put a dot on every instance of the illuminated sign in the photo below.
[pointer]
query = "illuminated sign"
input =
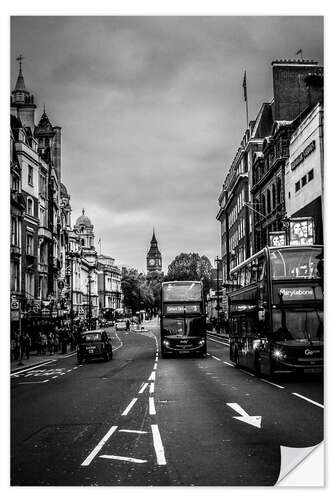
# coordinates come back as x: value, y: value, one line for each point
x: 277, y: 239
x: 180, y: 308
x: 301, y: 231
x: 301, y: 157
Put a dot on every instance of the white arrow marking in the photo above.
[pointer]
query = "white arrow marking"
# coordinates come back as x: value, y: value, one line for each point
x: 252, y: 420
x: 124, y: 459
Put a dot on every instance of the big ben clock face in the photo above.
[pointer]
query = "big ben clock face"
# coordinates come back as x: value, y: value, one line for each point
x: 151, y: 262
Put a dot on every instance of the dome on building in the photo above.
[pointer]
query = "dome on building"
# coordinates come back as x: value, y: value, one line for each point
x: 83, y: 220
x: 63, y: 190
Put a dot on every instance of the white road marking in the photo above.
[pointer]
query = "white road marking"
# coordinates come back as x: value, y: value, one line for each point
x: 307, y: 399
x: 56, y: 376
x: 70, y: 355
x: 143, y: 388
x: 39, y: 382
x: 155, y: 366
x: 152, y: 376
x: 69, y: 370
x: 217, y: 341
x: 75, y: 368
x: 229, y: 364
x: 159, y: 450
x: 121, y: 343
x: 272, y: 383
x: 129, y: 407
x: 124, y: 459
x: 152, y: 410
x: 151, y: 388
x: 132, y: 431
x: 245, y: 417
x: 215, y: 357
x: 100, y: 445
x: 247, y: 373
x: 31, y: 368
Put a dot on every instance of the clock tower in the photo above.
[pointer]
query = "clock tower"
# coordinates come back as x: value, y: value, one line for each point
x: 154, y: 257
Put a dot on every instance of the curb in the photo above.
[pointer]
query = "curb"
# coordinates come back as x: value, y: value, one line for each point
x: 37, y: 363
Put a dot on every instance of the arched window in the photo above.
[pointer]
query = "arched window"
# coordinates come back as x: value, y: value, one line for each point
x: 269, y: 207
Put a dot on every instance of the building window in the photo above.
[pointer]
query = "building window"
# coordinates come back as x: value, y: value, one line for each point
x: 269, y: 208
x: 278, y: 191
x: 42, y: 186
x: 310, y: 175
x: 14, y: 275
x: 297, y: 186
x: 304, y: 180
x: 273, y: 196
x: 42, y: 217
x: 29, y: 206
x: 14, y: 231
x: 29, y: 285
x: 263, y: 204
x: 30, y: 176
x: 30, y: 244
x: 15, y: 184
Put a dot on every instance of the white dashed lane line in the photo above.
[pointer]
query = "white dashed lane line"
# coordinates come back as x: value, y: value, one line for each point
x: 152, y: 410
x: 152, y: 376
x: 124, y: 459
x: 307, y: 399
x: 272, y: 383
x: 99, y: 446
x: 143, y: 388
x: 129, y: 407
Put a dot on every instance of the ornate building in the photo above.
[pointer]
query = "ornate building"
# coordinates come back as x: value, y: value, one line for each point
x: 154, y: 256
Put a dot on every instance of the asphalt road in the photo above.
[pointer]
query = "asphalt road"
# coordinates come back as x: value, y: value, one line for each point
x: 142, y: 420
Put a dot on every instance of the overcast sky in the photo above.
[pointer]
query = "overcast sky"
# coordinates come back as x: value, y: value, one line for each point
x: 152, y: 112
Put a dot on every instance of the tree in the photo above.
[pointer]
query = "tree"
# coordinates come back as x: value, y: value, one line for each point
x: 191, y: 267
x: 137, y: 291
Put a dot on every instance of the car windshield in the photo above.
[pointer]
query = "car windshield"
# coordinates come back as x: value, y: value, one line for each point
x: 184, y: 326
x: 89, y: 337
x: 297, y: 263
x: 298, y: 324
x: 182, y: 292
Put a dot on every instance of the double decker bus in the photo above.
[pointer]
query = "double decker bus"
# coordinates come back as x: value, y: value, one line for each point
x: 276, y: 311
x: 183, y: 318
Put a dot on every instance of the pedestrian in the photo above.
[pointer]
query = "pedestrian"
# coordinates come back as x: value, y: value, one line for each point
x: 26, y: 345
x: 12, y: 349
x: 44, y: 343
x: 39, y: 343
x: 127, y: 325
x: 56, y: 340
x: 17, y: 348
x: 50, y: 342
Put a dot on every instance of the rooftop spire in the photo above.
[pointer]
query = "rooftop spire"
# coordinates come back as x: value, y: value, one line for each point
x: 20, y: 85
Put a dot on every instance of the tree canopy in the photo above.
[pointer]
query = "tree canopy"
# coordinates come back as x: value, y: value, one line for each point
x: 190, y: 266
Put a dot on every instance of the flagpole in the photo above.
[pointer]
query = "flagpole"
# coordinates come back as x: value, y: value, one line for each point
x: 245, y: 99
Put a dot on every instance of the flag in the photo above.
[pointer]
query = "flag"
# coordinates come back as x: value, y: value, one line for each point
x: 299, y: 52
x: 244, y: 87
x: 99, y: 240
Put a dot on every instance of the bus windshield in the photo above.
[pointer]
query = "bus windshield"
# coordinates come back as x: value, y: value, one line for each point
x: 184, y: 326
x: 182, y: 292
x: 297, y: 324
x: 297, y: 263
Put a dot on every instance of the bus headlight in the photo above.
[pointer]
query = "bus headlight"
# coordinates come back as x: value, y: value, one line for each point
x: 278, y: 354
x: 166, y: 343
x: 201, y: 342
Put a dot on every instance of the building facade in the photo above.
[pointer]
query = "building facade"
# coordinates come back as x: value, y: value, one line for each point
x: 304, y: 176
x: 109, y: 286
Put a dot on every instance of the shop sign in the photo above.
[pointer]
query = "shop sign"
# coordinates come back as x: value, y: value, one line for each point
x: 277, y: 239
x: 301, y: 157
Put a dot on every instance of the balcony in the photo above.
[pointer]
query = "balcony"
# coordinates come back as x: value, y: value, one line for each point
x: 44, y: 232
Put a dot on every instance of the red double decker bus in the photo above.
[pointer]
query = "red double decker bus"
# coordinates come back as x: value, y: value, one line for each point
x: 276, y: 311
x: 183, y: 318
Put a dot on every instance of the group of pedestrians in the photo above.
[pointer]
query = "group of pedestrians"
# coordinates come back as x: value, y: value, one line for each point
x: 47, y: 342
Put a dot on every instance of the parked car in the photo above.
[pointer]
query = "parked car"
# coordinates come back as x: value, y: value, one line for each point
x: 94, y: 344
x: 120, y: 324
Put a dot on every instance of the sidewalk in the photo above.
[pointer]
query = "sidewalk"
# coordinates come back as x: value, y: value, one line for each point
x: 36, y: 359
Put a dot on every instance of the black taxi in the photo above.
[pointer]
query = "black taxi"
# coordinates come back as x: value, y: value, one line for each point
x: 94, y: 344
